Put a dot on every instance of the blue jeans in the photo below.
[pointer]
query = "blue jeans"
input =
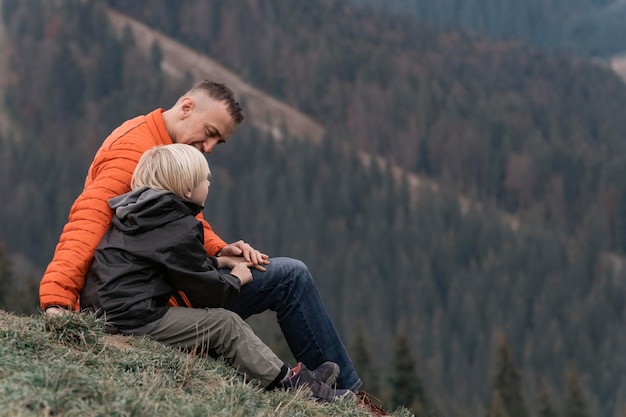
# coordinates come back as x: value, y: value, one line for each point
x: 287, y: 288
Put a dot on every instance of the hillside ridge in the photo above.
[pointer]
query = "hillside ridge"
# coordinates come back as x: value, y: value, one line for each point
x: 264, y: 112
x: 618, y: 65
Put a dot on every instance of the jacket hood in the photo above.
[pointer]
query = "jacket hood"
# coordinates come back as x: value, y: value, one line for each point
x: 145, y: 209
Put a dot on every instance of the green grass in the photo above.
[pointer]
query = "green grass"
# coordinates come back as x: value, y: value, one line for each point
x: 67, y: 366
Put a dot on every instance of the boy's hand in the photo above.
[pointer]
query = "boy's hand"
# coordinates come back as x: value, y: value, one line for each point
x: 242, y: 271
x: 251, y: 255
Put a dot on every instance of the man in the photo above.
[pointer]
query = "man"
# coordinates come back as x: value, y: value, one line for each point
x: 203, y: 117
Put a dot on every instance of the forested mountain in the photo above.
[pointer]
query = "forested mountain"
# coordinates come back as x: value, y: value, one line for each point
x: 500, y: 121
x: 529, y: 273
x: 586, y: 27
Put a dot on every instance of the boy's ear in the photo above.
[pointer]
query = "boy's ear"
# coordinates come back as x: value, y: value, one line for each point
x: 188, y: 194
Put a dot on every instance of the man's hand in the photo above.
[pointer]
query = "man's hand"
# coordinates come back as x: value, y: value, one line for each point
x: 249, y: 254
x: 55, y: 311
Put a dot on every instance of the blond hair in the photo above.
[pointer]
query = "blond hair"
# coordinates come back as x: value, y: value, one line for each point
x: 178, y: 168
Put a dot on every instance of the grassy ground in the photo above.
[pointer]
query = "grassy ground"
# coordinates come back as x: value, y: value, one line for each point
x: 66, y: 366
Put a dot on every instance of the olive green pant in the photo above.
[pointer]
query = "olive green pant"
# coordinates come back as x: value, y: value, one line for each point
x: 218, y: 333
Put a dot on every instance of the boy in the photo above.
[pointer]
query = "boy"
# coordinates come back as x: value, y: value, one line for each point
x: 152, y: 263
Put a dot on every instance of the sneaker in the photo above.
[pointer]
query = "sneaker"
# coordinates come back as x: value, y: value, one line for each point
x: 303, y: 378
x: 327, y: 373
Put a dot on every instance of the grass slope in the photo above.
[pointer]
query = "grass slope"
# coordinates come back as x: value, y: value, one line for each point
x: 66, y: 366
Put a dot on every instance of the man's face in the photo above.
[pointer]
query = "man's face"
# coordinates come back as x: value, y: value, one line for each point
x: 205, y: 123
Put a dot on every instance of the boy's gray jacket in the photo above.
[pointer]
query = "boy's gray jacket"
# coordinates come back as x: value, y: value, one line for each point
x: 152, y: 253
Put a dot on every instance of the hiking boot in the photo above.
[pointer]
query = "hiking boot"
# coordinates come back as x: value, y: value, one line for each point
x: 327, y: 373
x: 302, y: 378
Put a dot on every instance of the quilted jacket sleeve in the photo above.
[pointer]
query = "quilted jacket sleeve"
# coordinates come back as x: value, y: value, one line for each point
x: 89, y: 219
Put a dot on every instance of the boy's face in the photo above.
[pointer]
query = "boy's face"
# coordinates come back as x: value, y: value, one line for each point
x: 198, y: 195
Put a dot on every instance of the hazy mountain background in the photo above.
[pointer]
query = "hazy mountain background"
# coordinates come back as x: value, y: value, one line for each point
x: 586, y: 27
x: 463, y: 189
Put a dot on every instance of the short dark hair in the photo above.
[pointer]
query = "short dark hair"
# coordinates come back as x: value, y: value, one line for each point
x: 222, y: 94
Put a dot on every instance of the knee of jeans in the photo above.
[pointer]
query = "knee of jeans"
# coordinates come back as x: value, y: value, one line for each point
x: 300, y: 276
x: 299, y: 267
x: 284, y: 262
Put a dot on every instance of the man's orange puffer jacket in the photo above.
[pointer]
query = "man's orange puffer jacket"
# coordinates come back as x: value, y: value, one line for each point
x: 90, y: 216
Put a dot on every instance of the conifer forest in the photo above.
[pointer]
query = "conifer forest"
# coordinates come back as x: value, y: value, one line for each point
x: 463, y: 211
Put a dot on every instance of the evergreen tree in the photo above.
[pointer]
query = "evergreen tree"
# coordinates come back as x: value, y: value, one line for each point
x: 497, y: 407
x: 156, y: 56
x: 575, y: 402
x: 506, y: 382
x: 6, y: 278
x: 108, y: 74
x: 362, y: 361
x: 546, y: 409
x: 407, y: 389
x: 18, y: 293
x: 67, y: 79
